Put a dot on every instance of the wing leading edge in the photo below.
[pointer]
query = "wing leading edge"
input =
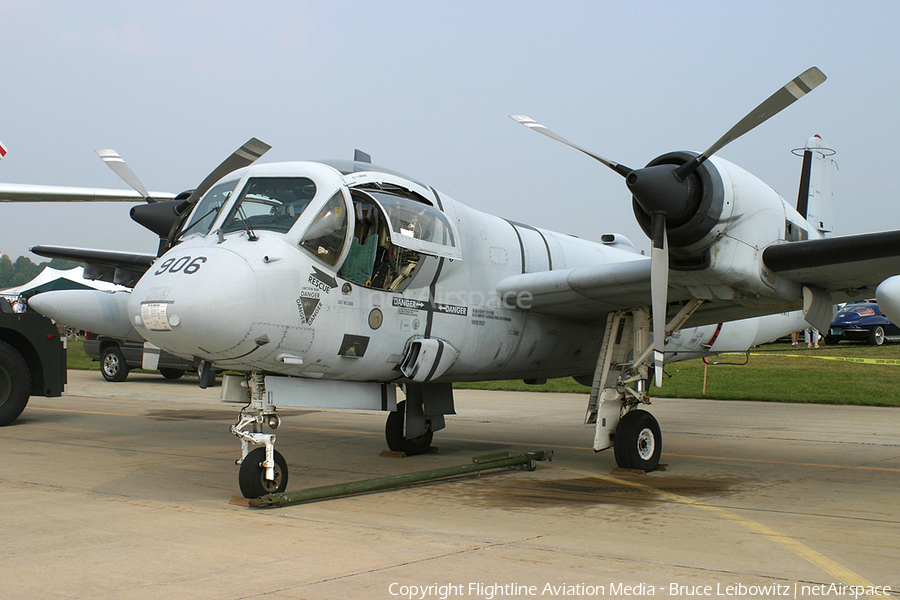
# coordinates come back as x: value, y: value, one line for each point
x: 22, y: 192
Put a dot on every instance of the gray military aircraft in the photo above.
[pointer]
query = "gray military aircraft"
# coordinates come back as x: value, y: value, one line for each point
x: 327, y: 283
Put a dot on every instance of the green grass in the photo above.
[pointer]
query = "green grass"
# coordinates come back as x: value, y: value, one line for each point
x: 77, y: 359
x: 767, y: 376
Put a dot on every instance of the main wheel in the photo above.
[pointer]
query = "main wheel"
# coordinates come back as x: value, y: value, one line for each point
x: 171, y: 373
x: 113, y: 365
x: 876, y: 336
x: 638, y: 441
x: 252, y: 476
x: 396, y: 441
x: 15, y: 384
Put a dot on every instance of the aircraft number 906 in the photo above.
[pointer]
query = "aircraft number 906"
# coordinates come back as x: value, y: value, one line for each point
x: 184, y: 264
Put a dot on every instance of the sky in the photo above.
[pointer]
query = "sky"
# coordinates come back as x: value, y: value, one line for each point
x: 426, y: 88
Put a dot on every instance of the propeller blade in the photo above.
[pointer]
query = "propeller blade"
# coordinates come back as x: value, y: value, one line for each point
x: 659, y: 289
x: 121, y: 168
x: 774, y: 104
x: 242, y: 157
x: 532, y: 124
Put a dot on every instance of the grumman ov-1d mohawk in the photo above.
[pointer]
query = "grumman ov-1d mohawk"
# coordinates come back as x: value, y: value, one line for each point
x: 327, y: 283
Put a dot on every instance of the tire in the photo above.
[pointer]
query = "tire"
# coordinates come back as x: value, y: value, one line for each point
x: 252, y: 476
x: 113, y: 365
x: 638, y: 441
x: 393, y: 434
x: 832, y: 340
x: 876, y: 336
x: 172, y: 374
x: 15, y: 384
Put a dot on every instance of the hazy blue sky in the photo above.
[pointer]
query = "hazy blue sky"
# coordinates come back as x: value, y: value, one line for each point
x: 425, y: 87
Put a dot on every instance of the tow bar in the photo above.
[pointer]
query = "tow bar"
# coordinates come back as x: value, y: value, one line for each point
x: 527, y: 461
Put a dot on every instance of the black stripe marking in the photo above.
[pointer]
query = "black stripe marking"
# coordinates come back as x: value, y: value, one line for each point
x: 437, y: 360
x: 521, y: 245
x: 431, y: 295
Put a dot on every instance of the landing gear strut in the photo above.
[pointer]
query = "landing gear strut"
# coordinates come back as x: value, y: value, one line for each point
x: 613, y: 406
x: 263, y: 470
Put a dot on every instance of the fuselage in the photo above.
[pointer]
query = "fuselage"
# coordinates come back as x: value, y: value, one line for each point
x: 307, y: 270
x: 338, y: 290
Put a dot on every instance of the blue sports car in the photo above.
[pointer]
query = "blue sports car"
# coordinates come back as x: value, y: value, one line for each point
x: 861, y: 322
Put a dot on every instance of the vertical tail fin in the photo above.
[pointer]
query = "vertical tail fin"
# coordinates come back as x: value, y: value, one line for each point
x: 815, y: 200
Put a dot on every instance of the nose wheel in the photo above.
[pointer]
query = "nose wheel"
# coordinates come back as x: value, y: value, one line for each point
x: 253, y: 479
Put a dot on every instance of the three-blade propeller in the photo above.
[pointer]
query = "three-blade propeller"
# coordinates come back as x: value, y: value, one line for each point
x: 163, y: 218
x: 663, y: 192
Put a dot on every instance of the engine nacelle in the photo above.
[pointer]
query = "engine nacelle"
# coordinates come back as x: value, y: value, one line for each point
x: 715, y: 243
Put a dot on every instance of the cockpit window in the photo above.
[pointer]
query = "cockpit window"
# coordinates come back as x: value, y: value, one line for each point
x: 325, y: 236
x: 418, y: 227
x: 270, y: 203
x: 208, y: 208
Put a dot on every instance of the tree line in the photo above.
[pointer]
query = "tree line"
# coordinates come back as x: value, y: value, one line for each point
x: 23, y: 270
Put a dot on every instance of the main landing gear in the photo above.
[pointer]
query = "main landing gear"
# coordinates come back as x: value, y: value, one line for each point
x: 395, y: 434
x: 620, y: 385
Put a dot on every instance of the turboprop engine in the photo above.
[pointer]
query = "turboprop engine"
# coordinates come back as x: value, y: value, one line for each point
x: 716, y: 217
x: 717, y: 229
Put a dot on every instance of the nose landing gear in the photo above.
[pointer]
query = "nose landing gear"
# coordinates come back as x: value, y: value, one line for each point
x: 263, y: 470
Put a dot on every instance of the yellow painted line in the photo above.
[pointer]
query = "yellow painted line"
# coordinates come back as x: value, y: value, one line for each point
x: 817, y: 559
x: 864, y: 361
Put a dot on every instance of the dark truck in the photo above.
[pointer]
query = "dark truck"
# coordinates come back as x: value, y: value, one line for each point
x: 32, y: 360
x: 118, y: 356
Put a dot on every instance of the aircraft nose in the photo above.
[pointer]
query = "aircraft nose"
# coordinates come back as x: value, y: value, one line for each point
x: 196, y: 301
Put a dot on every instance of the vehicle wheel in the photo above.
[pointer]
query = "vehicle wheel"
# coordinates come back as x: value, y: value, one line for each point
x: 393, y: 434
x: 171, y: 373
x: 876, y: 336
x: 252, y: 476
x: 15, y: 384
x: 832, y: 340
x: 638, y: 441
x: 113, y: 365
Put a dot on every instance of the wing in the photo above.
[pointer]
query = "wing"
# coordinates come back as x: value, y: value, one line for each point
x: 847, y: 267
x: 583, y: 292
x: 853, y: 262
x: 124, y: 268
x: 23, y: 192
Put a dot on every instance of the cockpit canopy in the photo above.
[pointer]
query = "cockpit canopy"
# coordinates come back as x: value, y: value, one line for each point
x: 326, y: 214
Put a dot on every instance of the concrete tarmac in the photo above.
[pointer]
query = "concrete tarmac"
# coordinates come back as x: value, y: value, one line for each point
x: 122, y: 491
